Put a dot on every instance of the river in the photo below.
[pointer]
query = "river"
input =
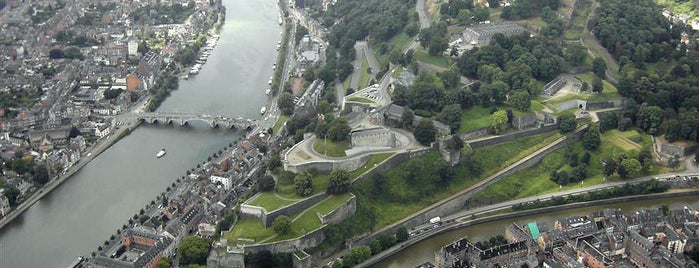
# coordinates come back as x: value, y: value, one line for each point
x: 83, y: 212
x: 424, y: 250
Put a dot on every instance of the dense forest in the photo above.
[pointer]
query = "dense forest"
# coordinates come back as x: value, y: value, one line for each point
x: 658, y: 72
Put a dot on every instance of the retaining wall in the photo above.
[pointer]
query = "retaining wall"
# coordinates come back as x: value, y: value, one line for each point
x: 513, y: 136
x: 391, y: 162
x: 603, y: 105
x: 456, y: 202
x: 474, y: 133
x: 340, y: 213
x: 326, y: 166
x: 309, y: 240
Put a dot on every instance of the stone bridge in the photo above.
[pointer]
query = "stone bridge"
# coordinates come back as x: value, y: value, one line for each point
x: 185, y: 119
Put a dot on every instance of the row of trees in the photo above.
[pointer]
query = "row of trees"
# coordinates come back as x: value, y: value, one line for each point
x: 524, y: 9
x: 648, y: 187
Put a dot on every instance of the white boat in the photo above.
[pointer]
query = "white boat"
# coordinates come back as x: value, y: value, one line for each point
x: 263, y: 110
x: 160, y: 154
x: 268, y: 91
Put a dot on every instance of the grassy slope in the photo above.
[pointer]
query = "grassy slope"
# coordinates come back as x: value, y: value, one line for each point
x: 474, y: 118
x: 492, y: 158
x: 535, y: 180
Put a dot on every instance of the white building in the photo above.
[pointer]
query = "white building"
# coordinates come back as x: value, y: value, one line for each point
x: 132, y: 47
x: 226, y: 182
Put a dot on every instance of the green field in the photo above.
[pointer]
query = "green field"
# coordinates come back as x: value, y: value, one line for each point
x: 270, y: 202
x: 362, y: 100
x: 331, y: 148
x: 248, y: 229
x: 280, y: 122
x: 423, y: 56
x: 474, y: 118
x: 308, y: 220
x: 364, y: 74
x: 535, y: 181
x: 302, y: 223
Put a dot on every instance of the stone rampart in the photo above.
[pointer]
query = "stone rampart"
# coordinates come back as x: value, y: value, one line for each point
x: 474, y: 133
x: 340, y: 213
x: 512, y: 136
x: 456, y: 202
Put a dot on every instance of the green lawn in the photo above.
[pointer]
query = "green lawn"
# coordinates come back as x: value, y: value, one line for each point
x: 535, y: 180
x: 474, y: 118
x: 399, y: 41
x: 346, y: 83
x: 362, y: 100
x: 423, y: 56
x: 249, y: 229
x: 280, y: 122
x: 302, y: 223
x: 331, y: 148
x: 308, y: 221
x: 364, y: 75
x: 270, y: 202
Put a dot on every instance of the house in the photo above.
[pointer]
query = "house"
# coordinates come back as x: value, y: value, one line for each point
x: 102, y: 130
x: 4, y: 204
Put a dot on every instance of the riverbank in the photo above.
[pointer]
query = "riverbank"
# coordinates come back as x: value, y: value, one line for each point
x: 469, y: 223
x: 95, y: 151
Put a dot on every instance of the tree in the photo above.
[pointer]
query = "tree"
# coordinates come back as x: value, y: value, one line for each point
x: 493, y: 3
x: 356, y: 256
x: 575, y: 54
x: 286, y: 103
x: 599, y: 67
x: 585, y: 159
x: 401, y: 234
x: 74, y: 132
x: 143, y: 47
x: 164, y: 263
x: 265, y: 184
x: 194, y: 250
x: 631, y: 168
x: 339, y: 182
x: 597, y: 85
x: 673, y: 161
x: 521, y: 100
x: 339, y: 129
x: 281, y: 225
x: 591, y: 139
x: 73, y: 53
x: 407, y: 118
x: 451, y: 116
x: 455, y: 143
x: 610, y: 166
x: 12, y: 193
x: 425, y: 132
x: 41, y: 175
x: 567, y: 123
x: 56, y: 53
x: 498, y: 121
x: 303, y: 184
